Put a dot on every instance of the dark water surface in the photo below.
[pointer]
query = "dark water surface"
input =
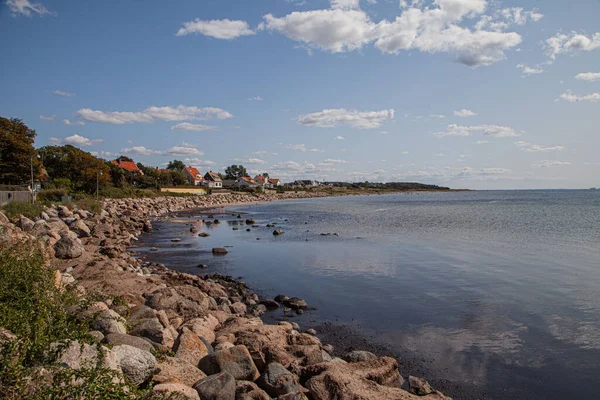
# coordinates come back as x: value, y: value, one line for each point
x: 498, y: 290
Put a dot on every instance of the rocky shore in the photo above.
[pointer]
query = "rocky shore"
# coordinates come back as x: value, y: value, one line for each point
x: 196, y: 336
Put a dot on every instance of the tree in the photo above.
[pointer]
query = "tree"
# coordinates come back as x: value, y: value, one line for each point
x: 176, y: 165
x: 124, y: 158
x: 80, y: 167
x: 265, y: 174
x: 17, y: 152
x: 235, y: 172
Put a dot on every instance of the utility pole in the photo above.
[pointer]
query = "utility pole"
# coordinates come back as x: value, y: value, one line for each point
x: 32, y: 188
x: 97, y: 183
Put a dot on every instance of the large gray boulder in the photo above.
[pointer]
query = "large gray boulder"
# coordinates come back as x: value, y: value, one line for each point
x: 236, y: 360
x: 150, y: 328
x: 277, y: 381
x: 81, y: 229
x: 138, y: 365
x: 121, y: 338
x: 187, y: 301
x: 109, y: 321
x: 68, y: 248
x: 219, y: 386
x: 75, y: 355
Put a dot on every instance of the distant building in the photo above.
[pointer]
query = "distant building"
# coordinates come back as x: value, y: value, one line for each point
x: 213, y: 179
x: 193, y: 176
x: 128, y: 166
x: 263, y: 182
x: 274, y: 182
x: 246, y: 181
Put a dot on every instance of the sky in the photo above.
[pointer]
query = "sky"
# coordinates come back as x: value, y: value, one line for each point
x: 462, y: 93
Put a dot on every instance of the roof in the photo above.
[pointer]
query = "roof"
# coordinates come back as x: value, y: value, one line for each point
x: 260, y: 178
x: 126, y: 165
x: 271, y: 180
x: 212, y: 176
x: 194, y: 173
x: 248, y: 179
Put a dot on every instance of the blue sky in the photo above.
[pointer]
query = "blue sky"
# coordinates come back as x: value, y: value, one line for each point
x: 465, y: 93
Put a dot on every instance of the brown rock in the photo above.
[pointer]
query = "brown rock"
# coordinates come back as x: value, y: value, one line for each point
x: 237, y: 361
x: 189, y: 347
x: 245, y: 390
x: 179, y: 390
x: 419, y: 386
x: 176, y: 370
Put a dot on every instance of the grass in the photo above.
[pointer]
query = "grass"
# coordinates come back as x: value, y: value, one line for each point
x: 35, y: 310
x: 15, y: 209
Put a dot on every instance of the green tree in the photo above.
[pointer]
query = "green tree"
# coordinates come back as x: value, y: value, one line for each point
x: 79, y: 166
x: 176, y: 165
x: 17, y: 152
x: 124, y: 158
x: 265, y: 174
x: 235, y: 172
x: 178, y: 178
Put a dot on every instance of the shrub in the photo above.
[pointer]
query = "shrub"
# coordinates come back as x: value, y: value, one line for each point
x: 89, y: 204
x: 14, y: 209
x: 51, y: 195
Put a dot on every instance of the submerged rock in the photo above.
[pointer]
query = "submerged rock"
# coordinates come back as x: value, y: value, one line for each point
x: 220, y: 250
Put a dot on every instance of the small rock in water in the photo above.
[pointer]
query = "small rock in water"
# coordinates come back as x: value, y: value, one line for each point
x: 201, y: 266
x: 235, y: 228
x: 278, y: 232
x: 216, y: 221
x: 175, y: 240
x: 220, y: 250
x: 248, y: 230
x: 153, y: 249
x: 250, y: 221
x: 204, y: 234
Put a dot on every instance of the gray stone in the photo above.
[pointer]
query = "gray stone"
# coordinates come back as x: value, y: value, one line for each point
x: 150, y: 328
x: 81, y: 229
x: 359, y: 356
x: 75, y: 355
x: 120, y: 338
x: 245, y: 390
x: 220, y: 250
x: 419, y: 386
x: 108, y: 321
x: 68, y: 248
x: 178, y: 390
x: 236, y: 360
x: 138, y: 365
x: 219, y: 386
x: 277, y: 381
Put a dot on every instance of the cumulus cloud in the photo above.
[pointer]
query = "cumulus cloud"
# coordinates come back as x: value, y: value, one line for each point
x: 455, y: 173
x: 481, y: 142
x: 588, y: 76
x: 77, y: 140
x: 255, y: 98
x: 64, y: 94
x: 219, y: 29
x: 25, y: 7
x: 534, y: 148
x: 140, y: 151
x: 297, y: 147
x: 437, y: 116
x: 433, y: 28
x: 188, y: 126
x: 550, y: 163
x: 317, y: 151
x: 570, y: 42
x: 152, y: 114
x: 340, y: 138
x: 487, y: 130
x: 250, y: 160
x: 502, y: 19
x: 183, y: 151
x: 465, y: 113
x: 198, y: 163
x: 45, y: 118
x: 572, y: 98
x: 526, y: 70
x: 332, y: 161
x: 357, y: 119
x: 102, y: 154
x: 77, y: 123
x: 54, y: 140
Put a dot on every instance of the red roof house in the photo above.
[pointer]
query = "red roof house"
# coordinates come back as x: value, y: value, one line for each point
x: 128, y: 166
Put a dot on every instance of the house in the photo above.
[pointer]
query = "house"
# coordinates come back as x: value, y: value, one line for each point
x: 213, y: 179
x: 246, y: 181
x: 128, y: 166
x: 263, y: 182
x: 193, y: 176
x: 275, y: 182
x: 306, y: 183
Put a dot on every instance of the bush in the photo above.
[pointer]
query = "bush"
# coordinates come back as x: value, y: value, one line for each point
x: 89, y: 204
x: 14, y: 209
x: 51, y: 195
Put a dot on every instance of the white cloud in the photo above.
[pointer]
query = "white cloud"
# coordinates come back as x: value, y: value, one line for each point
x: 440, y: 154
x: 487, y: 130
x: 502, y: 19
x: 102, y: 154
x: 51, y: 118
x: 332, y: 161
x: 317, y: 151
x: 455, y: 173
x: 297, y: 147
x: 340, y: 138
x: 255, y: 98
x: 64, y: 94
x: 481, y: 142
x: 54, y: 140
x: 404, y: 153
x: 588, y: 76
x: 183, y: 151
x: 534, y: 148
x: 140, y: 151
x: 550, y: 163
x: 465, y: 113
x: 437, y: 116
x: 345, y: 4
x: 198, y: 163
x: 25, y: 7
x: 219, y: 29
x: 250, y: 160
x: 572, y: 98
x: 573, y: 41
x: 433, y: 28
x: 151, y: 114
x: 188, y: 126
x: 77, y: 140
x: 78, y: 123
x: 526, y: 70
x: 357, y: 119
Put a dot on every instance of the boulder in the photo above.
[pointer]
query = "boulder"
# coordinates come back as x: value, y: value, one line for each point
x: 121, y: 338
x: 219, y: 386
x: 152, y: 329
x: 68, y: 248
x: 245, y: 390
x: 179, y: 390
x: 269, y: 304
x: 81, y: 229
x: 359, y: 356
x: 75, y: 355
x: 187, y: 301
x: 295, y: 303
x: 238, y: 308
x: 278, y: 232
x: 109, y: 321
x: 419, y: 386
x: 176, y: 370
x: 138, y: 365
x: 189, y: 347
x: 204, y: 327
x: 277, y: 381
x: 293, y: 396
x: 237, y: 361
x: 220, y: 250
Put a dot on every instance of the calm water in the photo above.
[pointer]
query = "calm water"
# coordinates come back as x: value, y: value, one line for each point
x: 498, y: 290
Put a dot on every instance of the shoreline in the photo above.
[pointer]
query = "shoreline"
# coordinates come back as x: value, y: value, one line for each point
x: 218, y: 314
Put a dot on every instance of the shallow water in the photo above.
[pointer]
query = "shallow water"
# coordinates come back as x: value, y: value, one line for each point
x: 498, y: 290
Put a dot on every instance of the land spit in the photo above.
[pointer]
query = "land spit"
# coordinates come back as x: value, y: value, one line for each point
x: 200, y: 336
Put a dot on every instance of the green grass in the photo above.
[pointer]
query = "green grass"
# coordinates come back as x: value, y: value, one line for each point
x: 35, y: 310
x: 14, y: 209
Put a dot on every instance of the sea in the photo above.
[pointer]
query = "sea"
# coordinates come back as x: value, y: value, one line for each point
x: 491, y: 294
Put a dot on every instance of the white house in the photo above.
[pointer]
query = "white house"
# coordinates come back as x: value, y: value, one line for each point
x: 213, y: 180
x: 246, y: 181
x: 275, y: 182
x: 193, y: 176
